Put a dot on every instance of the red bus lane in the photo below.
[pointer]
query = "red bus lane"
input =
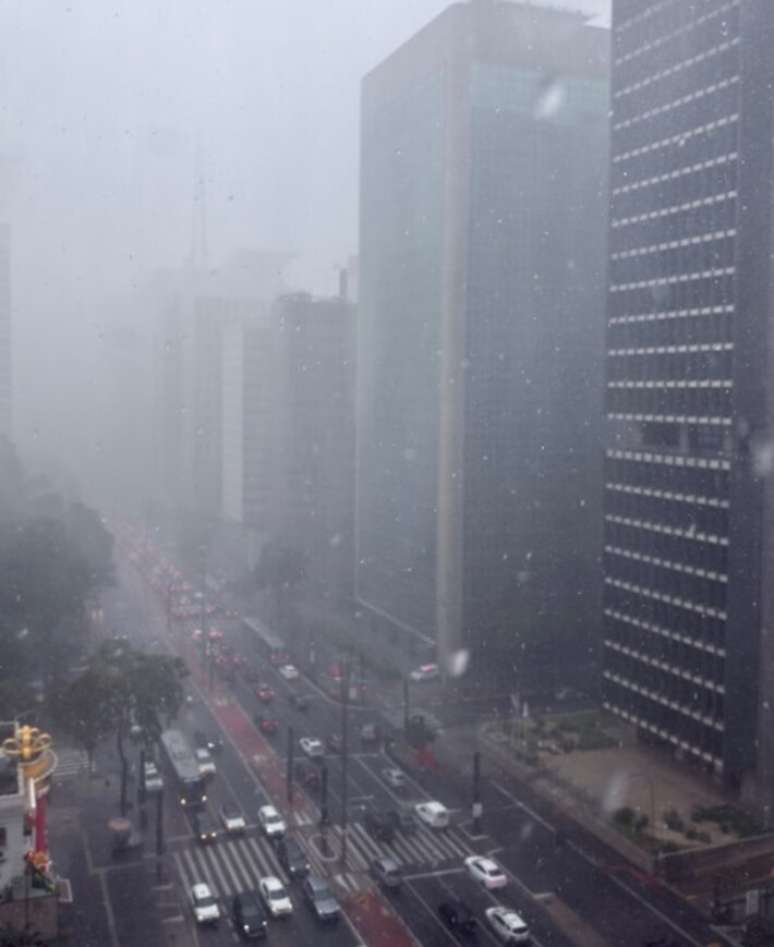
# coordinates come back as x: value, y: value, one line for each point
x: 372, y: 917
x: 376, y: 922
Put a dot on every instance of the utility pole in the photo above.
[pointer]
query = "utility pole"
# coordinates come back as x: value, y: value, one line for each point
x: 159, y: 832
x: 169, y: 607
x: 324, y: 807
x: 289, y: 775
x: 477, y: 807
x: 345, y: 683
x: 141, y: 789
x: 406, y: 709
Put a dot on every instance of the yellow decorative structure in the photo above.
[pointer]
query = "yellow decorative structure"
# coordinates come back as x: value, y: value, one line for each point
x: 31, y: 747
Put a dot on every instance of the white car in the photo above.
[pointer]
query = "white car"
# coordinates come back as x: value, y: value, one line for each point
x: 312, y: 746
x: 152, y: 777
x: 427, y: 672
x: 487, y: 871
x: 206, y: 762
x: 289, y: 672
x: 275, y: 897
x: 232, y: 818
x: 507, y: 925
x: 205, y: 907
x: 433, y: 813
x: 394, y: 777
x: 272, y: 822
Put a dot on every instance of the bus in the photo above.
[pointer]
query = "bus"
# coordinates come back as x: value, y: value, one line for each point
x: 270, y: 645
x: 189, y: 781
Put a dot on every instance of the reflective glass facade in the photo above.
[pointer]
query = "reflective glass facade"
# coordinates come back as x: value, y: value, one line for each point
x: 686, y: 344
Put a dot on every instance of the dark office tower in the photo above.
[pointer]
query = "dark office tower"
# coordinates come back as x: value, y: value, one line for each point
x: 688, y: 595
x: 481, y: 337
x: 314, y: 444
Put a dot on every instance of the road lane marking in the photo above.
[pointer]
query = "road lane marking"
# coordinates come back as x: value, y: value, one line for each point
x: 522, y: 805
x: 224, y: 855
x: 433, y: 914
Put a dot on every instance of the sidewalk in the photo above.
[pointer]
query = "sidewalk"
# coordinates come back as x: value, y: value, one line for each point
x: 113, y: 902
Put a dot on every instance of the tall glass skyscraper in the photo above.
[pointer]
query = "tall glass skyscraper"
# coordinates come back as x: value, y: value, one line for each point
x: 481, y: 327
x: 688, y: 596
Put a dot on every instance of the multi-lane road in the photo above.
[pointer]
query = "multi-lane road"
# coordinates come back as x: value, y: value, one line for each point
x: 595, y: 908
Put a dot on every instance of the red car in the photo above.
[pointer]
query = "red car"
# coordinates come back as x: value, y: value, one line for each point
x: 264, y: 693
x: 268, y: 726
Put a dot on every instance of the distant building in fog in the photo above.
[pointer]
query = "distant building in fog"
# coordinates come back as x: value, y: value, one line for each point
x: 481, y: 317
x: 197, y: 309
x: 247, y: 427
x: 689, y: 535
x: 314, y: 423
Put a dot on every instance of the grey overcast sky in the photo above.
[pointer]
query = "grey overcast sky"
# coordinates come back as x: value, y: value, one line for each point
x: 101, y: 102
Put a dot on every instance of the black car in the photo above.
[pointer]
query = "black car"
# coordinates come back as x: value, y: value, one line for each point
x: 248, y: 914
x: 457, y: 916
x: 307, y: 775
x: 405, y: 820
x: 381, y: 824
x: 292, y: 857
x: 203, y: 827
x: 299, y: 701
x: 321, y: 899
x: 334, y: 743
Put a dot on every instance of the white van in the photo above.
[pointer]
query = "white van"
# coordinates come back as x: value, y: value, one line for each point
x: 435, y: 814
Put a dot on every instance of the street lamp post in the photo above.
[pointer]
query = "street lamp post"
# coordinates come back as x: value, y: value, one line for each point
x: 324, y: 808
x: 477, y: 807
x: 159, y: 832
x: 346, y: 677
x: 291, y: 748
x: 652, y: 793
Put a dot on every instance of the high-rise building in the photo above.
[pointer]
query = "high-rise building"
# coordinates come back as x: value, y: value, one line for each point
x: 481, y: 336
x: 247, y: 423
x: 688, y: 596
x: 314, y: 445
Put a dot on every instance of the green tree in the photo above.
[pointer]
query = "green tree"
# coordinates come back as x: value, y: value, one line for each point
x: 84, y: 710
x: 92, y: 541
x: 139, y: 688
x: 10, y: 937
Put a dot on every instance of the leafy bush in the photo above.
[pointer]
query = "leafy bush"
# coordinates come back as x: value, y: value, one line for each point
x: 641, y: 822
x: 729, y: 818
x: 625, y: 817
x: 704, y: 837
x: 692, y: 835
x: 590, y: 739
x: 674, y: 820
x: 669, y: 848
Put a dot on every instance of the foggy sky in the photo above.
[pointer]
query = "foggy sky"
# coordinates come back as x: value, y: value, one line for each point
x: 101, y: 105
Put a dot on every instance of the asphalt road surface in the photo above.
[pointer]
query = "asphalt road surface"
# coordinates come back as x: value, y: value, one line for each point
x: 251, y: 769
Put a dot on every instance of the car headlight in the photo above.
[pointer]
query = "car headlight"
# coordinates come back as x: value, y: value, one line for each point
x: 246, y: 928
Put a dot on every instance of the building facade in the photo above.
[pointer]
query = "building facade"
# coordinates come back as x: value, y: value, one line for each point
x: 482, y: 259
x: 688, y: 596
x: 314, y: 443
x: 247, y: 428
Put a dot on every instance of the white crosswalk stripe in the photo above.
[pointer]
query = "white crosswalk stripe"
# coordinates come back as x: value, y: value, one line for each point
x: 422, y: 847
x: 228, y: 867
x: 70, y: 763
x: 346, y: 880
